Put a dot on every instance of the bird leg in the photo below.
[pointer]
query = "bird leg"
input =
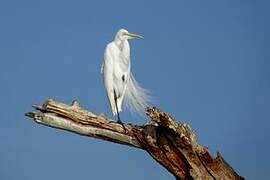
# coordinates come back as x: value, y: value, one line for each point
x: 118, y: 116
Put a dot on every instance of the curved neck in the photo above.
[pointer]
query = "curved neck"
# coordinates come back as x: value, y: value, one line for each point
x: 120, y: 43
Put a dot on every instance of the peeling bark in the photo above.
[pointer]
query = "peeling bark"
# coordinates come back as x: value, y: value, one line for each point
x: 172, y: 144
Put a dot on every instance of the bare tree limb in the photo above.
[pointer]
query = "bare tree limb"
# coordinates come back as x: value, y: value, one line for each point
x: 172, y: 144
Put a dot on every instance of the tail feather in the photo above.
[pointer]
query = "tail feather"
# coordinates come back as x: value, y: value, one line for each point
x: 136, y: 97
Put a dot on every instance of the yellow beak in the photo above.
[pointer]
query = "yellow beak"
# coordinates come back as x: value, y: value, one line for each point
x: 134, y: 35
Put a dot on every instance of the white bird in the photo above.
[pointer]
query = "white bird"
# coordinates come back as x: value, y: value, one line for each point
x: 119, y: 83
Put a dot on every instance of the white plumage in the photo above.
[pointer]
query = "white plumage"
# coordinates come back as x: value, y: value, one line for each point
x: 119, y: 83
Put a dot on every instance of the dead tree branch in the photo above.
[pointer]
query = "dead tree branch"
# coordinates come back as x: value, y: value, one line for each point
x: 172, y: 144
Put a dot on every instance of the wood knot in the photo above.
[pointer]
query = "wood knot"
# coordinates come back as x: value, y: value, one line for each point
x: 75, y: 104
x: 44, y: 105
x: 153, y: 113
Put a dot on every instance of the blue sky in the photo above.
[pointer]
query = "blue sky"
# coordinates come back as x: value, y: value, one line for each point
x: 205, y: 62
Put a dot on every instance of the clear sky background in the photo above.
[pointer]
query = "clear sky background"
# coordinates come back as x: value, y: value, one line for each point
x: 205, y: 62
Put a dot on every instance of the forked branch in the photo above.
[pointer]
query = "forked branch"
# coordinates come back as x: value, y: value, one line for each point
x: 172, y: 144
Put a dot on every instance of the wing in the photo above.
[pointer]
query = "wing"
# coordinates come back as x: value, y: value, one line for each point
x: 108, y: 69
x: 122, y: 72
x: 116, y: 69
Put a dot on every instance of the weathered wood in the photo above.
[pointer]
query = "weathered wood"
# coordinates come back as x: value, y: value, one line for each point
x: 171, y: 143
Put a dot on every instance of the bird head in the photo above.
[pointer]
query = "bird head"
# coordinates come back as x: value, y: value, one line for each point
x: 123, y: 34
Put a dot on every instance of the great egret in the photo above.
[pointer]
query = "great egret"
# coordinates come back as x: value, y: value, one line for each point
x: 118, y: 80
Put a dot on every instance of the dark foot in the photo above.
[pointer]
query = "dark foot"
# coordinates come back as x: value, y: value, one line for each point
x: 120, y: 122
